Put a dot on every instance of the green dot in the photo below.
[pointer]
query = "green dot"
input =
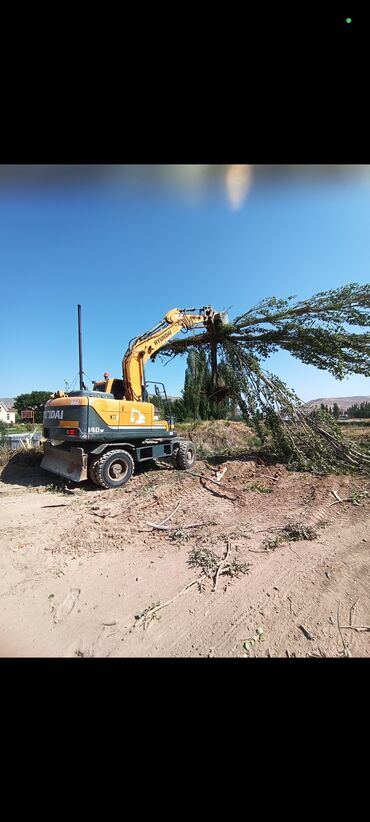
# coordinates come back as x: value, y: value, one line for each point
x: 348, y: 20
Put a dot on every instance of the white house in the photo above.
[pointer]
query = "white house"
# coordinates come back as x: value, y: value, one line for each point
x: 7, y: 415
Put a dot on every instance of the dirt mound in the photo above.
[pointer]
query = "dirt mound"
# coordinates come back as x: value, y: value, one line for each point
x: 219, y: 436
x: 29, y: 457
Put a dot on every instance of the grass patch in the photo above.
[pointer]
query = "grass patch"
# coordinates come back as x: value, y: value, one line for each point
x: 273, y: 542
x: 180, y: 535
x: 262, y: 489
x: 56, y: 487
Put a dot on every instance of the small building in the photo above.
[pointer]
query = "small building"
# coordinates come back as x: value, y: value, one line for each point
x: 7, y: 415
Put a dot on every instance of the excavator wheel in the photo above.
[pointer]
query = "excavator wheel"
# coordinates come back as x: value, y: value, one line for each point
x: 186, y: 455
x: 114, y: 469
x: 92, y: 471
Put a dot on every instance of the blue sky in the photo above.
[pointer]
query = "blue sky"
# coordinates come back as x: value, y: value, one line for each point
x: 130, y: 254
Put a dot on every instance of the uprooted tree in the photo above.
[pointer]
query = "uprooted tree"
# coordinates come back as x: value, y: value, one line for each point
x: 318, y: 331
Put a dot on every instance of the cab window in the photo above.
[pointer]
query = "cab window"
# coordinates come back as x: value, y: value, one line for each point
x: 118, y: 389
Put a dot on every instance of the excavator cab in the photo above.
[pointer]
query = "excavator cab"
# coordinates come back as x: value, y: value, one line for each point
x: 111, y: 386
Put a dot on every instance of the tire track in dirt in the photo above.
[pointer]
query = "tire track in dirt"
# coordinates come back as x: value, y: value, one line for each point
x: 131, y: 570
x: 223, y: 623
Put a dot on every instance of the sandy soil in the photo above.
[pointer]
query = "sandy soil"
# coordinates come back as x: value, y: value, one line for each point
x: 78, y: 568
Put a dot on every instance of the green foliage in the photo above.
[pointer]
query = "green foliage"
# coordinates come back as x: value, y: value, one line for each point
x: 317, y: 331
x: 234, y: 569
x: 34, y: 401
x: 262, y: 489
x: 201, y: 399
x: 209, y: 562
x: 3, y: 431
x: 205, y: 559
x: 359, y: 411
x: 180, y: 535
x: 56, y: 487
x: 146, y: 611
x: 194, y: 395
x: 296, y: 530
x: 174, y: 408
x: 293, y: 531
x: 178, y: 410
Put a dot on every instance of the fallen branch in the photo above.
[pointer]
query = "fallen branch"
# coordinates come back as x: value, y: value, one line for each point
x: 102, y: 516
x: 355, y: 628
x: 345, y: 648
x: 161, y: 527
x: 336, y: 497
x: 222, y: 563
x: 263, y: 530
x: 219, y: 484
x: 220, y: 474
x: 351, y: 610
x: 169, y: 602
x: 346, y: 499
x: 317, y: 655
x: 170, y: 516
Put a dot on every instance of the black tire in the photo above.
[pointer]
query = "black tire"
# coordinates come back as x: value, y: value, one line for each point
x: 186, y: 456
x: 114, y: 469
x: 92, y: 471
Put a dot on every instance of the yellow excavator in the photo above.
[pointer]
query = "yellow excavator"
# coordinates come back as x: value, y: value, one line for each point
x: 103, y: 433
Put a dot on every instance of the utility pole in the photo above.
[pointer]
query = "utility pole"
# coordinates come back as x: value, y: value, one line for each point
x: 82, y: 385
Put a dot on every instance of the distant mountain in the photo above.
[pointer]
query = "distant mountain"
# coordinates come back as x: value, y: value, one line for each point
x: 342, y: 402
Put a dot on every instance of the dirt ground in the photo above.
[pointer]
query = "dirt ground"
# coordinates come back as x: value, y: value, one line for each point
x: 79, y: 569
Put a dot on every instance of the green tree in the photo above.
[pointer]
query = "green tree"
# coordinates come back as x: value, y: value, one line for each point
x: 221, y: 402
x: 178, y: 410
x: 34, y: 401
x: 336, y: 411
x: 329, y: 331
x: 361, y: 411
x: 194, y: 395
x: 175, y: 408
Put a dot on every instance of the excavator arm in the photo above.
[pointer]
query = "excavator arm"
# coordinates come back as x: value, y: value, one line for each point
x: 142, y: 348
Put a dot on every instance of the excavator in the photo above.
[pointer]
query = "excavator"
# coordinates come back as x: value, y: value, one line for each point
x: 103, y: 433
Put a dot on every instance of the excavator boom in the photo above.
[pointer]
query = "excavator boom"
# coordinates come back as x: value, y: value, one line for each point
x: 144, y: 347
